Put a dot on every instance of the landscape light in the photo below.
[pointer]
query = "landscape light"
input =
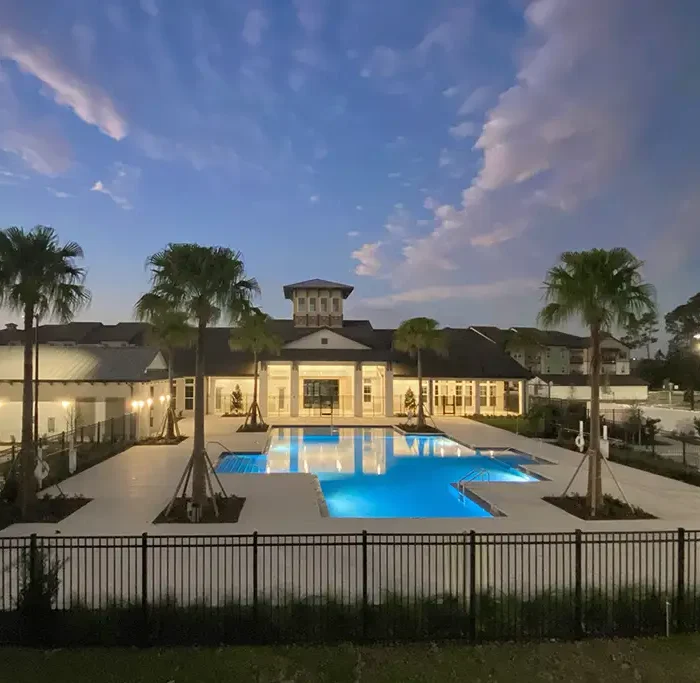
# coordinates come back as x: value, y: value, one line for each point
x: 65, y: 405
x: 161, y: 399
x: 149, y: 402
x: 134, y: 405
x: 167, y: 397
x: 696, y: 336
x: 140, y: 404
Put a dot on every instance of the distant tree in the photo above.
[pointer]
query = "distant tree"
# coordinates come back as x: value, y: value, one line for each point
x: 602, y: 289
x: 409, y: 401
x: 169, y: 330
x: 682, y: 324
x: 640, y: 332
x: 415, y: 336
x: 659, y: 355
x: 39, y: 278
x: 253, y: 334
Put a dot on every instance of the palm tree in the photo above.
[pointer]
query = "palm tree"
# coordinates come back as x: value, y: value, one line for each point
x: 169, y: 330
x: 254, y: 334
x: 415, y: 336
x: 204, y: 283
x: 38, y: 278
x: 602, y: 289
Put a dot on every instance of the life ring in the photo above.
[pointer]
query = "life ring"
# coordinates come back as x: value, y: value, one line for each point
x: 580, y: 441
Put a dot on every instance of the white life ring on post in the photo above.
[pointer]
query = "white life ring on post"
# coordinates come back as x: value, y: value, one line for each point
x: 580, y: 442
x: 41, y: 471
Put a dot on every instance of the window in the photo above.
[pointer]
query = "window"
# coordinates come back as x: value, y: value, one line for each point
x: 458, y: 395
x: 367, y: 391
x: 189, y: 394
x: 492, y: 395
x: 336, y: 305
x: 483, y: 392
x: 324, y: 305
x: 218, y: 394
x: 324, y: 340
x: 312, y: 305
x: 51, y: 425
x: 468, y: 394
x: 301, y: 304
x: 280, y: 398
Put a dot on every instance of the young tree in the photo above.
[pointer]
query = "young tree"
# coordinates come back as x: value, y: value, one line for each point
x: 640, y: 332
x: 204, y: 283
x: 415, y: 336
x: 38, y: 278
x: 683, y: 324
x: 253, y: 334
x: 170, y: 329
x: 602, y: 289
x: 409, y: 401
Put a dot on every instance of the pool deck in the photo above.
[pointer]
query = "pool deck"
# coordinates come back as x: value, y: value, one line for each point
x: 130, y: 489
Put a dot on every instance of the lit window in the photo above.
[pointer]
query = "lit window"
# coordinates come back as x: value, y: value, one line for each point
x: 336, y: 305
x: 51, y: 425
x: 312, y: 305
x: 367, y: 391
x: 189, y: 394
x: 458, y: 394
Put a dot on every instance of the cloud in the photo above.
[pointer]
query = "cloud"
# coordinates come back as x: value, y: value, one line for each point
x: 310, y: 14
x: 451, y: 91
x: 475, y: 101
x: 394, y: 174
x: 59, y: 194
x: 11, y: 174
x: 463, y: 130
x: 368, y: 257
x: 40, y: 146
x: 314, y: 199
x: 491, y: 290
x: 122, y: 185
x: 353, y: 233
x: 253, y: 27
x: 89, y: 102
x: 359, y: 207
x: 446, y: 158
x: 557, y: 136
x: 400, y: 221
x: 384, y: 62
x: 150, y: 7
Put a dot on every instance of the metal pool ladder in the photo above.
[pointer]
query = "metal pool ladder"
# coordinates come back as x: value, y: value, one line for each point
x: 477, y: 474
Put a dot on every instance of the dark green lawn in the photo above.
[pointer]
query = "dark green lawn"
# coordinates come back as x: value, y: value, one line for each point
x: 620, y: 661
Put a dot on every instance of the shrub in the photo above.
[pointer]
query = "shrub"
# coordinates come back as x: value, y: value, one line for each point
x: 409, y: 401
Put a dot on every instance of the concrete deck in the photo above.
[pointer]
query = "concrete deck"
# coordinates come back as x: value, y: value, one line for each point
x: 130, y: 489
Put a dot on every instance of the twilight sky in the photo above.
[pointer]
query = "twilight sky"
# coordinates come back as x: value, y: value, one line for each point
x: 437, y: 155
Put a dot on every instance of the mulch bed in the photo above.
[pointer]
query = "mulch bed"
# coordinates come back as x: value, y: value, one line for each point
x: 50, y: 509
x: 229, y: 511
x: 158, y: 441
x: 425, y: 429
x: 251, y: 428
x: 610, y: 509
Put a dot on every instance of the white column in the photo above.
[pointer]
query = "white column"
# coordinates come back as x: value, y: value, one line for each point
x: 388, y: 391
x: 262, y: 389
x: 521, y: 397
x: 429, y: 404
x: 477, y: 398
x: 357, y: 394
x: 100, y: 411
x: 294, y: 391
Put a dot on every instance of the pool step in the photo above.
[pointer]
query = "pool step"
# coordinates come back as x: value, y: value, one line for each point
x: 242, y: 464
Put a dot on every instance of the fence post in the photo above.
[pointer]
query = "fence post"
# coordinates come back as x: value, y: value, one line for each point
x: 33, y: 626
x: 256, y: 625
x: 144, y: 586
x: 99, y: 424
x: 82, y: 434
x: 578, y: 592
x: 685, y: 462
x: 63, y: 441
x: 680, y: 589
x: 472, y: 586
x: 124, y: 427
x: 111, y: 429
x: 365, y: 615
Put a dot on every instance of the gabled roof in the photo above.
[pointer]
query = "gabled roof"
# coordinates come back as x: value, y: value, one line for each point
x: 83, y: 364
x: 316, y: 283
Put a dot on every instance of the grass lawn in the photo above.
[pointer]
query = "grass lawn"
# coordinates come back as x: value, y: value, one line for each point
x: 511, y: 423
x: 585, y: 662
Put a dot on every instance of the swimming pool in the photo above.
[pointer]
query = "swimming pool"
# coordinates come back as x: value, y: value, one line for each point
x: 379, y: 472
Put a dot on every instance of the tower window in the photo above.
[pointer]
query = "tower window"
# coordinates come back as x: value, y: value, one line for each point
x: 336, y: 305
x: 301, y: 304
x: 312, y: 305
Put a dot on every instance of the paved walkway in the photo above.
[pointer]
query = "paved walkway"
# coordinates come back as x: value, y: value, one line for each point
x: 130, y: 489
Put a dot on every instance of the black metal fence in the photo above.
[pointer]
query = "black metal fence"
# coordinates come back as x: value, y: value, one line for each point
x: 359, y: 587
x: 92, y: 443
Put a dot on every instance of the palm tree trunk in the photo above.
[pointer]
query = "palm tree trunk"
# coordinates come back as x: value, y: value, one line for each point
x: 421, y: 410
x: 595, y: 485
x: 27, y: 488
x: 170, y: 415
x: 199, y: 481
x: 254, y: 406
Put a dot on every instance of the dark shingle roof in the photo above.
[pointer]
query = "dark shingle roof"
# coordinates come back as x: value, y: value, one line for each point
x: 469, y: 354
x: 131, y: 333
x: 317, y: 284
x: 578, y: 380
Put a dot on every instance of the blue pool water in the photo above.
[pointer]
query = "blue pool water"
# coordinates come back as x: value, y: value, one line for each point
x: 378, y: 472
